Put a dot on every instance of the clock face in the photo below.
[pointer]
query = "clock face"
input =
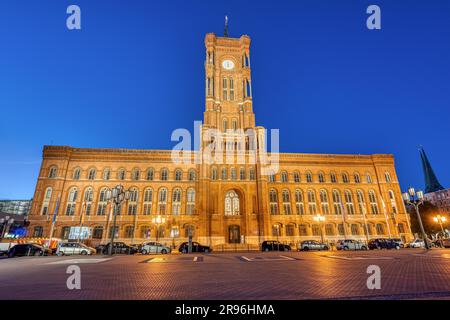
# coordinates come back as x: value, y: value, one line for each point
x: 227, y: 64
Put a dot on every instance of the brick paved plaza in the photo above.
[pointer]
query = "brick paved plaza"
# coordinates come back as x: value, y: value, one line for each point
x: 405, y: 274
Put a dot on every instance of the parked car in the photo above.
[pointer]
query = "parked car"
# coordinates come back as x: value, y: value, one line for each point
x: 350, y: 244
x: 154, y: 247
x: 119, y: 247
x: 196, y: 247
x: 417, y: 243
x: 399, y: 241
x: 28, y: 249
x: 274, y: 246
x: 312, y: 245
x: 5, y: 246
x: 445, y: 243
x: 383, y: 244
x: 68, y: 248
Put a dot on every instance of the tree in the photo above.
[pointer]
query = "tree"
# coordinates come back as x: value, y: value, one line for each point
x: 427, y: 212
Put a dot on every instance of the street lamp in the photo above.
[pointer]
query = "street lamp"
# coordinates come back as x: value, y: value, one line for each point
x: 158, y: 220
x: 320, y: 218
x: 5, y: 222
x: 416, y: 199
x: 440, y: 219
x: 116, y: 195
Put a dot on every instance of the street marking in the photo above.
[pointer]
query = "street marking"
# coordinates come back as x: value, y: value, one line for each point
x: 267, y: 258
x: 444, y: 255
x: 288, y: 258
x: 80, y: 261
x: 360, y: 258
x: 245, y: 258
x: 195, y: 259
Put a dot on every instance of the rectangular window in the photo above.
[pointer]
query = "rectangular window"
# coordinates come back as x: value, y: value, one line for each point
x: 231, y: 89
x: 224, y: 89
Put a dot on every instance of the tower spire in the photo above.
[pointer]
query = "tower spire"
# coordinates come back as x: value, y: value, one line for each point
x: 431, y: 182
x: 225, y: 31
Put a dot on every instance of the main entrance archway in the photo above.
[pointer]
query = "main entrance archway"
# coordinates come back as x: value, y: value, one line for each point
x: 234, y: 234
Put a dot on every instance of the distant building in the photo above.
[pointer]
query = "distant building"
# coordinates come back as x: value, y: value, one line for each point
x: 434, y: 191
x: 15, y: 207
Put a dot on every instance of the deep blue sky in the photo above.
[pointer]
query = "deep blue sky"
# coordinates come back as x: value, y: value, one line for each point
x: 135, y: 72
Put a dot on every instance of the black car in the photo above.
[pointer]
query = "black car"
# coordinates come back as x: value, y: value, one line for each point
x: 383, y: 244
x: 28, y: 249
x: 196, y: 247
x: 119, y: 247
x: 274, y: 246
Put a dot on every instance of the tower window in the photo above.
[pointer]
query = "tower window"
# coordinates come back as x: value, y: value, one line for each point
x: 231, y: 89
x: 225, y: 89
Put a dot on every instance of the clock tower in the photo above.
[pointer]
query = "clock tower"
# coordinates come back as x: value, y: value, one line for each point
x: 228, y: 86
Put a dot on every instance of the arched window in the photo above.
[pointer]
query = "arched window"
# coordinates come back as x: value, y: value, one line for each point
x: 361, y: 202
x: 345, y: 178
x: 329, y: 229
x: 337, y: 203
x: 272, y: 178
x: 284, y: 176
x: 303, y: 230
x: 373, y: 202
x: 38, y: 232
x: 176, y: 201
x: 148, y: 201
x: 286, y: 197
x: 349, y: 202
x: 76, y: 174
x: 106, y: 174
x: 354, y: 229
x: 333, y: 177
x: 324, y: 202
x: 162, y: 201
x: 164, y: 174
x: 129, y: 232
x: 356, y: 177
x: 189, y: 230
x: 133, y: 202
x: 252, y: 173
x: 91, y: 174
x: 121, y: 174
x: 232, y: 203
x: 190, y: 201
x: 387, y: 177
x: 214, y: 173
x: 273, y: 201
x: 225, y: 124
x: 224, y: 174
x: 102, y: 202
x: 191, y: 175
x: 46, y: 201
x: 368, y: 178
x: 309, y: 177
x: 234, y: 123
x: 242, y: 174
x: 178, y: 174
x: 276, y: 230
x: 393, y: 202
x: 296, y: 177
x: 88, y: 198
x: 380, y: 229
x: 299, y: 206
x: 312, y: 202
x: 321, y: 177
x: 136, y: 174
x: 233, y: 173
x: 52, y: 172
x: 97, y: 232
x: 71, y: 202
x: 150, y: 173
x: 290, y: 230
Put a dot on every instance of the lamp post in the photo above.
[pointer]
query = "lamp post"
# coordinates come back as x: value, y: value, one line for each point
x: 440, y: 219
x: 5, y: 222
x: 116, y: 195
x: 320, y: 218
x: 158, y: 220
x: 416, y: 199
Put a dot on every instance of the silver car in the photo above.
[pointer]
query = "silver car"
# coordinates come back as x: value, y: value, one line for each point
x: 312, y: 245
x: 350, y: 244
x: 154, y: 247
x: 69, y: 248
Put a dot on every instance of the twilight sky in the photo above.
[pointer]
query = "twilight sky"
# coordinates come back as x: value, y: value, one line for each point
x: 134, y: 73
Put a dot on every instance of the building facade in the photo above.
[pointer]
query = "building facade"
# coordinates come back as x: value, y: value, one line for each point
x: 229, y: 192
